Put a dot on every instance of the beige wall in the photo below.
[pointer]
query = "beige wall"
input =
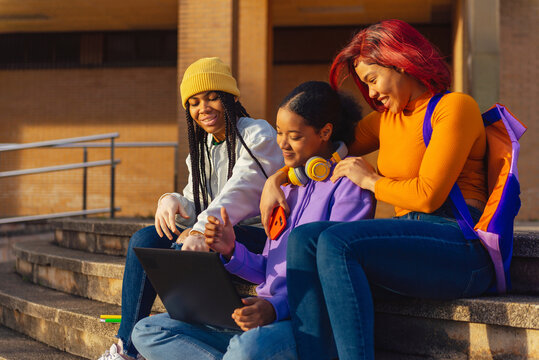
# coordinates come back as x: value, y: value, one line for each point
x: 37, y: 105
x: 140, y: 103
x: 519, y: 90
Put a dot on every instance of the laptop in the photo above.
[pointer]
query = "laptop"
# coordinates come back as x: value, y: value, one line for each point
x: 194, y: 286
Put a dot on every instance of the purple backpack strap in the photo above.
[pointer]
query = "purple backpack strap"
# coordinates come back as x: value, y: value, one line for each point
x: 458, y: 204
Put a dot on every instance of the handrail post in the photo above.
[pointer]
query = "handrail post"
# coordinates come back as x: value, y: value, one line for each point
x: 84, y: 179
x: 112, y: 177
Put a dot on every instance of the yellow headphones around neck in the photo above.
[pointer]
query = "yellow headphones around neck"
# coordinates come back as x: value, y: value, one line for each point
x: 316, y: 168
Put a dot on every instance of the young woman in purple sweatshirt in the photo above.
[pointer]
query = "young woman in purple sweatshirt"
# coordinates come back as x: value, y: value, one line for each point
x: 313, y: 124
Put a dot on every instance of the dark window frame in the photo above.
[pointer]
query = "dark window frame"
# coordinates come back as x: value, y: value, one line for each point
x: 150, y: 48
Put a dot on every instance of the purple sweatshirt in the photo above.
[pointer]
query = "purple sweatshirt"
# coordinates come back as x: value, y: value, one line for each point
x: 318, y: 201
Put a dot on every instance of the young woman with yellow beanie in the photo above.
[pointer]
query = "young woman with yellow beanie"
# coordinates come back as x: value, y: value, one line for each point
x: 229, y: 157
x: 314, y: 123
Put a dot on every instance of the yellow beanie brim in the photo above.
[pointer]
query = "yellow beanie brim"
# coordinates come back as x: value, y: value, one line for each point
x: 207, y: 74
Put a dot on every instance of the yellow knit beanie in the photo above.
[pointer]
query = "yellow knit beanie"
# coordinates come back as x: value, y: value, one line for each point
x: 207, y: 74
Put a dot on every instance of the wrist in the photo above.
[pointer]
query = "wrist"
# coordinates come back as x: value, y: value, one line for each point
x: 164, y: 196
x: 228, y: 255
x: 372, y: 181
x: 280, y: 177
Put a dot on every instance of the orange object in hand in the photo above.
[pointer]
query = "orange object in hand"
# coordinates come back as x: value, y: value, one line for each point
x: 277, y: 222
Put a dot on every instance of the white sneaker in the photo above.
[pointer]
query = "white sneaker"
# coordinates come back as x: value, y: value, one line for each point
x: 116, y: 352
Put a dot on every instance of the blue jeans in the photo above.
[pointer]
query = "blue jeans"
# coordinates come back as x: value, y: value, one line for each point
x: 160, y: 337
x: 335, y: 269
x: 138, y: 294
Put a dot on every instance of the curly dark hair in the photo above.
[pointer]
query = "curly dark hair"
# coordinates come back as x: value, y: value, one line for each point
x: 319, y: 104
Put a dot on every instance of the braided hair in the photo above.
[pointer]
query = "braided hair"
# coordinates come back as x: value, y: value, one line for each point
x: 198, y: 147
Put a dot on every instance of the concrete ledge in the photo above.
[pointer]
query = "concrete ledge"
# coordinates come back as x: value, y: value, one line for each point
x: 116, y: 226
x: 525, y: 275
x: 105, y: 236
x: 66, y: 322
x: 93, y: 276
x: 431, y: 329
x: 504, y: 327
x: 91, y: 242
x: 454, y: 340
x: 15, y: 346
x: 517, y: 311
x: 24, y: 228
x: 525, y: 263
x: 78, y: 261
x: 526, y: 243
x: 13, y: 233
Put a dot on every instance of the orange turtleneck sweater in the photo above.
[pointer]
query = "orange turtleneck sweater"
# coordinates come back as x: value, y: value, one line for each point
x: 416, y: 178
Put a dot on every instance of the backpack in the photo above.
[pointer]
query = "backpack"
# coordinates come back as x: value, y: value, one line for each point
x: 495, y: 227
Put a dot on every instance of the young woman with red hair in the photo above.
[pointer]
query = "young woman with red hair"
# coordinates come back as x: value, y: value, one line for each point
x: 335, y: 269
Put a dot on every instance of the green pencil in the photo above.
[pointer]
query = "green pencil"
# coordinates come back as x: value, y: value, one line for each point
x: 111, y: 320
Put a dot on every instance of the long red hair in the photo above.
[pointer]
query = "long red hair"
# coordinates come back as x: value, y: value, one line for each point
x: 394, y: 44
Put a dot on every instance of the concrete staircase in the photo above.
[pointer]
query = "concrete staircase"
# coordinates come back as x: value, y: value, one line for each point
x: 13, y: 233
x: 55, y: 291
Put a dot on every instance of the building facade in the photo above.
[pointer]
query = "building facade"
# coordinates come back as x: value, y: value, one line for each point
x: 73, y: 70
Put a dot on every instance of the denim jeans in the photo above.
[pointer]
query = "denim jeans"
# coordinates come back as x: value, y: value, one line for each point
x: 335, y: 269
x: 161, y: 338
x: 138, y: 294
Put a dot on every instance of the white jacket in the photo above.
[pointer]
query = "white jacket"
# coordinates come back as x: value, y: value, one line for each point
x: 240, y: 194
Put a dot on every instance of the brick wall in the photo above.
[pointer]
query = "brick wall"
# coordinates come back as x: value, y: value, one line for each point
x: 519, y: 90
x: 37, y: 105
x: 202, y: 35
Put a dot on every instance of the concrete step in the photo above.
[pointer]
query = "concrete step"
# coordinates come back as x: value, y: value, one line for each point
x: 27, y: 227
x: 93, y: 276
x: 525, y: 263
x: 13, y: 233
x: 104, y: 236
x: 15, y: 346
x: 500, y: 327
x: 65, y: 322
x: 112, y: 237
x: 505, y: 327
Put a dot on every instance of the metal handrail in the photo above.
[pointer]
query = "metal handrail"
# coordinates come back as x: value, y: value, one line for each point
x: 51, y: 143
x: 58, y: 143
x: 137, y: 144
x: 80, y: 142
x: 54, y: 216
x: 57, y: 168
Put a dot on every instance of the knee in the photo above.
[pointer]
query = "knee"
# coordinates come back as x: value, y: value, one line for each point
x: 304, y: 239
x: 241, y: 350
x: 330, y: 247
x: 148, y: 238
x: 265, y: 342
x: 143, y: 333
x: 141, y: 237
x: 246, y: 346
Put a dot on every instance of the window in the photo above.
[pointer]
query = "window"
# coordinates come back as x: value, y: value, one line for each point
x: 90, y: 49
